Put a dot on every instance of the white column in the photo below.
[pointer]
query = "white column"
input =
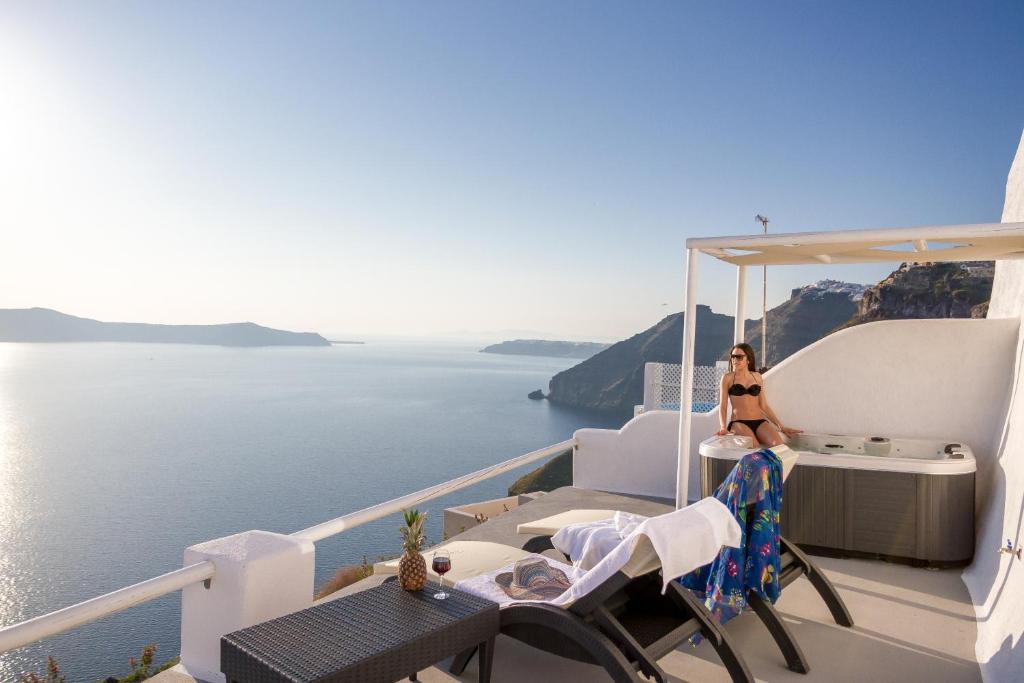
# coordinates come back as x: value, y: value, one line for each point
x: 686, y: 381
x: 652, y: 386
x: 741, y: 304
x: 260, y: 576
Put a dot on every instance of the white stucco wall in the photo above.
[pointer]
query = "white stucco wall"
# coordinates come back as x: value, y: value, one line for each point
x: 940, y: 379
x: 641, y: 457
x: 996, y: 582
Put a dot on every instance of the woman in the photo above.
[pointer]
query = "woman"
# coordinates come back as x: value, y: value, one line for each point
x: 751, y: 414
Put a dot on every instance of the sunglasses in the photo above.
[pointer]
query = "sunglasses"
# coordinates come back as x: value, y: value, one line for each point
x: 738, y: 356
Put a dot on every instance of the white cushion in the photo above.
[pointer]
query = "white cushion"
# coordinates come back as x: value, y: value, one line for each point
x: 550, y: 526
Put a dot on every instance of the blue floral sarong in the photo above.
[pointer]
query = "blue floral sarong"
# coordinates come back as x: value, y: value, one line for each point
x: 753, y: 493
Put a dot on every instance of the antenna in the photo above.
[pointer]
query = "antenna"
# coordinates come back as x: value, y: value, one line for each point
x: 763, y: 220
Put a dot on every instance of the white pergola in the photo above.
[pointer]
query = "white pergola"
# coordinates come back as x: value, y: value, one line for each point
x: 938, y: 243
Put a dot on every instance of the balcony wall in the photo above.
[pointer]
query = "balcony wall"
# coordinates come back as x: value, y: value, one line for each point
x: 640, y: 458
x: 934, y: 379
x: 996, y: 581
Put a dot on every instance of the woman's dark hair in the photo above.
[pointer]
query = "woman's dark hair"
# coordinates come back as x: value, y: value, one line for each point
x: 748, y: 350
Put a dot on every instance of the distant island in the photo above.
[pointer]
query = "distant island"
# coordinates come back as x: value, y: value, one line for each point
x: 46, y: 325
x: 541, y: 347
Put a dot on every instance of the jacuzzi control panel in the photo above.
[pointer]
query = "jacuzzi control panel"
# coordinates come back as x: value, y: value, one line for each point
x: 859, y: 452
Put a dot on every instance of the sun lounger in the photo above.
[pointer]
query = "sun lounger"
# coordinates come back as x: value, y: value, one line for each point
x: 556, y: 522
x: 623, y: 624
x: 793, y: 564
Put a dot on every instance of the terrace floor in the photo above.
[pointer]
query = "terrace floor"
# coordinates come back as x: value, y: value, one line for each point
x: 911, y: 624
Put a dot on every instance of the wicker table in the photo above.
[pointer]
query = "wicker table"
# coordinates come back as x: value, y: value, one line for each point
x: 380, y: 634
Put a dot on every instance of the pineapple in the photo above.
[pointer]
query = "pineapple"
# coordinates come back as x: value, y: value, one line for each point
x: 412, y: 568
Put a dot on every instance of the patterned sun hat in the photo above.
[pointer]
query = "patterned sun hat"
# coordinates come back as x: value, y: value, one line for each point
x: 532, y: 578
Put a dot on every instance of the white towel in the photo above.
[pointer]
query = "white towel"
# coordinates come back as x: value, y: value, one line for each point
x: 587, y: 543
x: 683, y: 539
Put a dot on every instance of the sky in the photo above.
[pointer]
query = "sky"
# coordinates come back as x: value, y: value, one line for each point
x: 477, y: 168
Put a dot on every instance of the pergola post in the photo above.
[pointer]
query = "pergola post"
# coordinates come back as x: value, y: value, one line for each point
x: 686, y: 381
x: 741, y: 304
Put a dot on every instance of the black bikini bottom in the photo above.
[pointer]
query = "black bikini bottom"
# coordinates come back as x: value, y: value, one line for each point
x: 751, y: 424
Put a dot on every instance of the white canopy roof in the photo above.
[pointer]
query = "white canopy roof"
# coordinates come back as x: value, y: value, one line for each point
x: 933, y: 243
x: 972, y: 242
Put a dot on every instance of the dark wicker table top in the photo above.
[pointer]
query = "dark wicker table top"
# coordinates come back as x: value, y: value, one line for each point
x: 380, y: 634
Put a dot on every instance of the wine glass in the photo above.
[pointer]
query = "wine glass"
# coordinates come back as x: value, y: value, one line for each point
x: 441, y: 564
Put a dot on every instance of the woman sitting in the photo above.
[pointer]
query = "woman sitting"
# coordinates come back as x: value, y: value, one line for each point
x: 751, y: 414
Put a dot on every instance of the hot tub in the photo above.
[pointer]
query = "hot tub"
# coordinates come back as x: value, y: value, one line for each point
x: 909, y: 499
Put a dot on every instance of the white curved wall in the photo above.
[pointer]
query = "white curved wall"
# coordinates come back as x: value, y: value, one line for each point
x: 641, y: 457
x: 996, y: 582
x: 894, y: 378
x: 936, y: 379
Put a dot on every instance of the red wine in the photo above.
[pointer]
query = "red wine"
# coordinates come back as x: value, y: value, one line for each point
x: 441, y: 565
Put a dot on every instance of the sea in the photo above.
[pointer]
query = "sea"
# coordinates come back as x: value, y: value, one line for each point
x: 116, y: 457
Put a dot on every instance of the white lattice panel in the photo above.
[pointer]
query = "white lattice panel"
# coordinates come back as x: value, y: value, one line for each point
x: 662, y: 383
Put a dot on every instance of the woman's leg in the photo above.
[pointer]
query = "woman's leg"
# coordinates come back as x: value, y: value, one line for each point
x: 740, y: 429
x: 767, y: 434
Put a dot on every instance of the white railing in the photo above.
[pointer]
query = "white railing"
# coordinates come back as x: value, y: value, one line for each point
x: 32, y: 630
x: 340, y: 524
x: 47, y: 625
x: 662, y: 382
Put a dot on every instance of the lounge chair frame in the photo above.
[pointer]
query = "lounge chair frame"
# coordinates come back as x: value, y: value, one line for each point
x: 794, y: 563
x: 624, y: 625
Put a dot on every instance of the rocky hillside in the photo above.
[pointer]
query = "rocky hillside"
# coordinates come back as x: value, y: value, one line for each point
x: 551, y: 475
x: 810, y: 313
x: 936, y: 290
x: 612, y: 381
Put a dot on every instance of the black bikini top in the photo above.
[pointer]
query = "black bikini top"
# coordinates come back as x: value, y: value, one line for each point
x: 740, y: 390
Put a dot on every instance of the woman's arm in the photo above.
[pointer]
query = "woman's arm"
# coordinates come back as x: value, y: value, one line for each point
x: 723, y: 405
x: 767, y: 409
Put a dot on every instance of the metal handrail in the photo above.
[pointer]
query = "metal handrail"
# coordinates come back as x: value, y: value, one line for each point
x: 46, y: 625
x: 375, y: 512
x: 51, y: 624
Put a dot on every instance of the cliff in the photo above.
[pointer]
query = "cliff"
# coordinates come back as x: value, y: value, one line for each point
x: 612, y: 381
x: 45, y: 325
x: 810, y: 313
x: 934, y: 290
x: 553, y: 474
